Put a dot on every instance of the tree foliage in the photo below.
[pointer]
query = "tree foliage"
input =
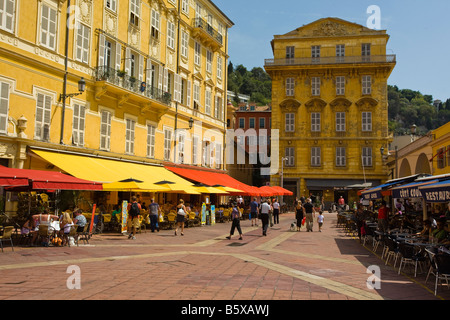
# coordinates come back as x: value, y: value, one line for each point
x: 255, y: 83
x: 408, y: 107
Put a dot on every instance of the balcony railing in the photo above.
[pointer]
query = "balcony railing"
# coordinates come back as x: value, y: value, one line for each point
x: 202, y: 24
x: 330, y: 60
x: 121, y: 79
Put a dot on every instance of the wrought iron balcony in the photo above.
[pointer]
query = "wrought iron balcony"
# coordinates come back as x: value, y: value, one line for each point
x: 199, y: 23
x: 121, y: 79
x: 330, y: 60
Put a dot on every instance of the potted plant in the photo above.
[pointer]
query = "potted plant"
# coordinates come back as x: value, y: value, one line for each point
x: 121, y: 73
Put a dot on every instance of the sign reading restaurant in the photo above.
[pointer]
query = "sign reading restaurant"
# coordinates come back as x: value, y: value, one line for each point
x: 437, y: 196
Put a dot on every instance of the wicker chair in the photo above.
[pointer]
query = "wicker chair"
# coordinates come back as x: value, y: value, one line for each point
x: 7, y: 236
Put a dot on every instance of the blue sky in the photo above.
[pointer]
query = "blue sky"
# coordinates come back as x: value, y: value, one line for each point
x: 419, y: 34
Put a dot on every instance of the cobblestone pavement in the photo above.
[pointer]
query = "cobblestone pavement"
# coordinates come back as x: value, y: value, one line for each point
x: 204, y: 265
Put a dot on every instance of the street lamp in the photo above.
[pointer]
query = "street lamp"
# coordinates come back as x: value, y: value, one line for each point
x: 81, y: 83
x: 282, y: 168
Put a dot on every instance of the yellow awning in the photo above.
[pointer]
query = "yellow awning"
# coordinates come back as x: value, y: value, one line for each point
x: 111, y: 171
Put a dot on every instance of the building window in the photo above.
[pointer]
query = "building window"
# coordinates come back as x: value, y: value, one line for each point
x: 290, y: 122
x: 290, y: 54
x: 43, y: 117
x: 340, y: 121
x: 155, y: 25
x: 315, y: 122
x: 241, y: 123
x: 315, y: 156
x: 167, y: 143
x: 366, y: 84
x: 184, y: 44
x: 441, y: 161
x: 185, y: 6
x: 219, y: 67
x: 83, y: 43
x: 252, y: 123
x: 289, y: 153
x: 48, y: 27
x: 198, y: 54
x: 315, y: 53
x: 209, y: 58
x: 79, y: 118
x: 262, y: 123
x: 315, y: 86
x: 218, y: 108
x: 218, y: 155
x: 341, y: 160
x: 170, y: 35
x: 290, y: 87
x: 151, y: 130
x: 195, y: 150
x: 4, y: 107
x: 340, y: 52
x: 7, y: 8
x: 208, y: 101
x: 366, y: 51
x: 134, y: 12
x: 340, y: 86
x: 367, y: 157
x: 105, y: 130
x: 111, y: 5
x: 129, y: 136
x: 448, y: 155
x: 367, y: 121
x: 180, y: 147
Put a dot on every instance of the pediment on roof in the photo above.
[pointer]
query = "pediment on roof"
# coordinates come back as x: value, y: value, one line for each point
x: 331, y: 27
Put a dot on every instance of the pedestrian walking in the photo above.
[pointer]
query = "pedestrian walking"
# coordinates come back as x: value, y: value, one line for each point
x: 181, y: 217
x: 265, y: 208
x: 276, y: 211
x: 320, y: 219
x: 270, y: 213
x: 134, y: 209
x: 310, y: 213
x: 299, y: 214
x: 254, y: 212
x: 383, y: 214
x: 235, y: 222
x: 155, y: 211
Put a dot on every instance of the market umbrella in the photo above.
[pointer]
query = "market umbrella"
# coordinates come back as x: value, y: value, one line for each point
x: 174, y: 187
x: 202, y: 188
x: 131, y: 185
x: 228, y: 189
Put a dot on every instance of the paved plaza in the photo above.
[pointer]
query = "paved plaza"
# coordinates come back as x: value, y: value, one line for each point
x: 203, y: 265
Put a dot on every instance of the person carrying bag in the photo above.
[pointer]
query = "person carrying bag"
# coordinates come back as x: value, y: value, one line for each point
x: 181, y: 217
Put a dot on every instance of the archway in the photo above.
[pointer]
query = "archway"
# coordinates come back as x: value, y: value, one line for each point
x: 405, y: 169
x: 423, y: 164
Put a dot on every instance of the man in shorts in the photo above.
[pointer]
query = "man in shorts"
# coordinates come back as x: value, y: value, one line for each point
x: 134, y: 209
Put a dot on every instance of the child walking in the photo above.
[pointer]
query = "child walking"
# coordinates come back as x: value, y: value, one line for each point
x: 320, y: 219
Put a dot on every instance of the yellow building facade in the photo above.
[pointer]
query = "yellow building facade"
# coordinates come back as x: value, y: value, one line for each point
x: 330, y: 105
x: 441, y: 150
x: 152, y: 68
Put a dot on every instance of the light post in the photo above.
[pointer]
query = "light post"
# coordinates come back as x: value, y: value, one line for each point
x: 81, y: 83
x: 282, y: 179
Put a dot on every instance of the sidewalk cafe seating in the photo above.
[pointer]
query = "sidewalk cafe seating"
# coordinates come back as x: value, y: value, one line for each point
x: 7, y: 236
x: 190, y: 219
x: 44, y: 234
x: 409, y: 255
x: 171, y: 219
x: 392, y: 250
x: 142, y: 223
x: 442, y: 265
x: 84, y: 235
x: 73, y: 234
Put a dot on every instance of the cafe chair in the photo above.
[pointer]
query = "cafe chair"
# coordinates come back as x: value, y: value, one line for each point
x: 408, y: 254
x: 44, y: 233
x: 7, y: 236
x: 84, y: 235
x: 442, y: 263
x: 72, y: 233
x: 431, y: 252
x: 393, y: 252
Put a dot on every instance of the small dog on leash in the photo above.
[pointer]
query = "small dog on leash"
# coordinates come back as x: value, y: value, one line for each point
x: 293, y: 226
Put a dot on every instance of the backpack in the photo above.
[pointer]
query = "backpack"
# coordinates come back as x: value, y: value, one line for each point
x: 134, y: 210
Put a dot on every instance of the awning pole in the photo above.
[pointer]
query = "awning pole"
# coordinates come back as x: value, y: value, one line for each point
x: 424, y: 209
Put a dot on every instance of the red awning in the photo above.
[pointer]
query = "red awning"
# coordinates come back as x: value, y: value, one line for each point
x: 13, y: 182
x: 44, y: 180
x: 213, y: 178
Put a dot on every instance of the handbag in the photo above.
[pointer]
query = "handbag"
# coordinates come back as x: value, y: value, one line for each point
x: 303, y: 221
x: 161, y: 218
